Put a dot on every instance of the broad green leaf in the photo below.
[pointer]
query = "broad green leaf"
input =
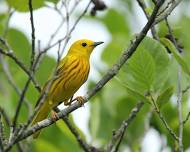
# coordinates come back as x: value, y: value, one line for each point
x: 114, y: 49
x: 113, y: 17
x: 94, y: 121
x: 176, y: 55
x: 43, y: 73
x: 46, y: 146
x: 120, y: 35
x: 19, y: 44
x: 142, y: 67
x: 103, y: 107
x: 161, y: 60
x: 135, y: 94
x: 53, y: 1
x: 64, y: 141
x: 165, y: 95
x: 22, y: 5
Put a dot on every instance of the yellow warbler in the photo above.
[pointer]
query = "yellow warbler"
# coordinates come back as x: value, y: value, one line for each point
x: 71, y: 73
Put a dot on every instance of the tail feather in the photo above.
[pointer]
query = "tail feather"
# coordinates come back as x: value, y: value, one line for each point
x: 41, y: 115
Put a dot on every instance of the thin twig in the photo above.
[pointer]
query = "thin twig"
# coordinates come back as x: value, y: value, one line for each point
x: 179, y: 93
x: 172, y: 133
x: 118, y: 135
x: 20, y: 103
x: 31, y: 66
x: 187, y: 118
x: 32, y: 34
x: 144, y: 7
x: 5, y: 31
x: 9, y: 77
x: 1, y: 134
x: 22, y: 66
x: 5, y: 116
x: 71, y: 30
x: 157, y: 110
x: 167, y: 12
x: 179, y: 107
x: 186, y: 89
x: 82, y: 143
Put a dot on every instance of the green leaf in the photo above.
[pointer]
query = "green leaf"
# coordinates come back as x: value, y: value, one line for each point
x: 53, y: 1
x: 142, y: 67
x: 176, y: 55
x: 161, y: 60
x: 22, y: 5
x: 137, y: 95
x: 113, y: 17
x: 165, y: 95
x: 60, y: 136
x: 15, y: 39
x: 133, y: 93
x: 43, y: 73
x: 46, y: 146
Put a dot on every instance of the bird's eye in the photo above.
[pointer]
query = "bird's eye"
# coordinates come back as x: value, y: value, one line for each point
x: 84, y: 44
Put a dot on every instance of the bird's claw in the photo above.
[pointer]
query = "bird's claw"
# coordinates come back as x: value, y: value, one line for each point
x: 80, y: 99
x: 54, y: 116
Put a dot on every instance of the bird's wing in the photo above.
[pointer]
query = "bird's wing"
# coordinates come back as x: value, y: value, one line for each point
x: 59, y: 71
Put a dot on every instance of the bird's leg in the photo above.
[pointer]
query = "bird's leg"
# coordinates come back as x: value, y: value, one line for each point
x: 80, y: 99
x: 54, y: 115
x: 68, y: 102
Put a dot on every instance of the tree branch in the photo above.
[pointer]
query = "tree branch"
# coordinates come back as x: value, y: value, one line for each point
x: 32, y: 34
x: 22, y: 66
x: 144, y: 7
x: 81, y: 142
x: 167, y: 12
x: 157, y: 110
x: 118, y: 135
x: 179, y: 94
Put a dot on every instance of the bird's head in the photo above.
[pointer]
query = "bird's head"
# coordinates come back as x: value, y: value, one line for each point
x: 83, y: 47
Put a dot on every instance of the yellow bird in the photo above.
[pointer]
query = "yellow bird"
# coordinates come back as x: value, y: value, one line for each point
x: 71, y: 73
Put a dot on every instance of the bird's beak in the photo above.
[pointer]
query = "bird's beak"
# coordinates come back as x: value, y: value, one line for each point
x: 97, y: 43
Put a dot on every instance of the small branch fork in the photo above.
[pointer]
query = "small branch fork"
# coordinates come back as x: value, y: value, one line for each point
x: 118, y: 135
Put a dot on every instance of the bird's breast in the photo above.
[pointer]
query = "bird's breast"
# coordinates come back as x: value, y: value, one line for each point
x: 75, y: 74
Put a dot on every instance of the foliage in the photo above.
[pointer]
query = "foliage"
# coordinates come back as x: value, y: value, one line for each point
x: 150, y: 73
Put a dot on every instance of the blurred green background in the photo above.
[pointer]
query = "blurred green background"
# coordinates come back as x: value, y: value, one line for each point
x: 151, y: 69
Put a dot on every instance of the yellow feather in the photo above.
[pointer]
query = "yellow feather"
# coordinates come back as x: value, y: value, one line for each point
x: 72, y: 72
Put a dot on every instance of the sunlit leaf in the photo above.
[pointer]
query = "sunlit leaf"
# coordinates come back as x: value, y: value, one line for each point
x: 46, y: 146
x: 53, y: 1
x: 165, y: 96
x: 15, y: 39
x: 177, y: 56
x: 22, y: 5
x: 142, y: 67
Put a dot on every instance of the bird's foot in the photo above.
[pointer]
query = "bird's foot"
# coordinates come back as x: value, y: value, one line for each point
x: 54, y: 116
x: 80, y: 99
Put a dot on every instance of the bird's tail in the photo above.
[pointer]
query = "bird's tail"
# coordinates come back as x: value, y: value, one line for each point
x: 41, y: 115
